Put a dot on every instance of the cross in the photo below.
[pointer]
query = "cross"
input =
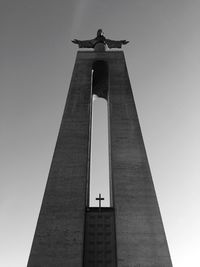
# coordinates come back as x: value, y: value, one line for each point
x: 100, y: 199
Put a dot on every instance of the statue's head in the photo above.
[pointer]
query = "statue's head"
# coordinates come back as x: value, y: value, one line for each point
x: 99, y: 32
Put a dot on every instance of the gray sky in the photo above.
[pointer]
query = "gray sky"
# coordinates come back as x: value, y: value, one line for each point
x: 36, y: 62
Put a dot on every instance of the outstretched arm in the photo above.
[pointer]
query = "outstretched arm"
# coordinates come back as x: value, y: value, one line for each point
x: 116, y: 44
x: 83, y: 44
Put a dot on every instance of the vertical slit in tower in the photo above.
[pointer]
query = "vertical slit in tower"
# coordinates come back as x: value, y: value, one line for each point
x: 99, y: 157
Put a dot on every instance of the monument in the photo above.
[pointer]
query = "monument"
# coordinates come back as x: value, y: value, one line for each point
x: 130, y: 232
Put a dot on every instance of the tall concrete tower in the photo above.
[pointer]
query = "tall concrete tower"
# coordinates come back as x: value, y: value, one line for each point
x: 130, y: 233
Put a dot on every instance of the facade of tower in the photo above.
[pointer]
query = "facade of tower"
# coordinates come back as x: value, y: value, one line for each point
x: 130, y: 233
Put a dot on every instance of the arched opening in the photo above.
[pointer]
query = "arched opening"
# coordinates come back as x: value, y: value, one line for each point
x: 99, y: 157
x: 100, y: 79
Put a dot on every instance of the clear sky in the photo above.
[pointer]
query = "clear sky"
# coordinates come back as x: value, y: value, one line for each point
x: 36, y: 62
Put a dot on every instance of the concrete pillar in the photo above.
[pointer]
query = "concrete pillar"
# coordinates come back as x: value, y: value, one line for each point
x: 58, y: 240
x: 140, y: 234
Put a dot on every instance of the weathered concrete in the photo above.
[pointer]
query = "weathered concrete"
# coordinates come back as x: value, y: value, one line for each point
x: 59, y: 234
x: 140, y: 235
x: 58, y: 240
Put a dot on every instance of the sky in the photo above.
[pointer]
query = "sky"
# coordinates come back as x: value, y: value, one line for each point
x: 99, y: 154
x: 36, y: 63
